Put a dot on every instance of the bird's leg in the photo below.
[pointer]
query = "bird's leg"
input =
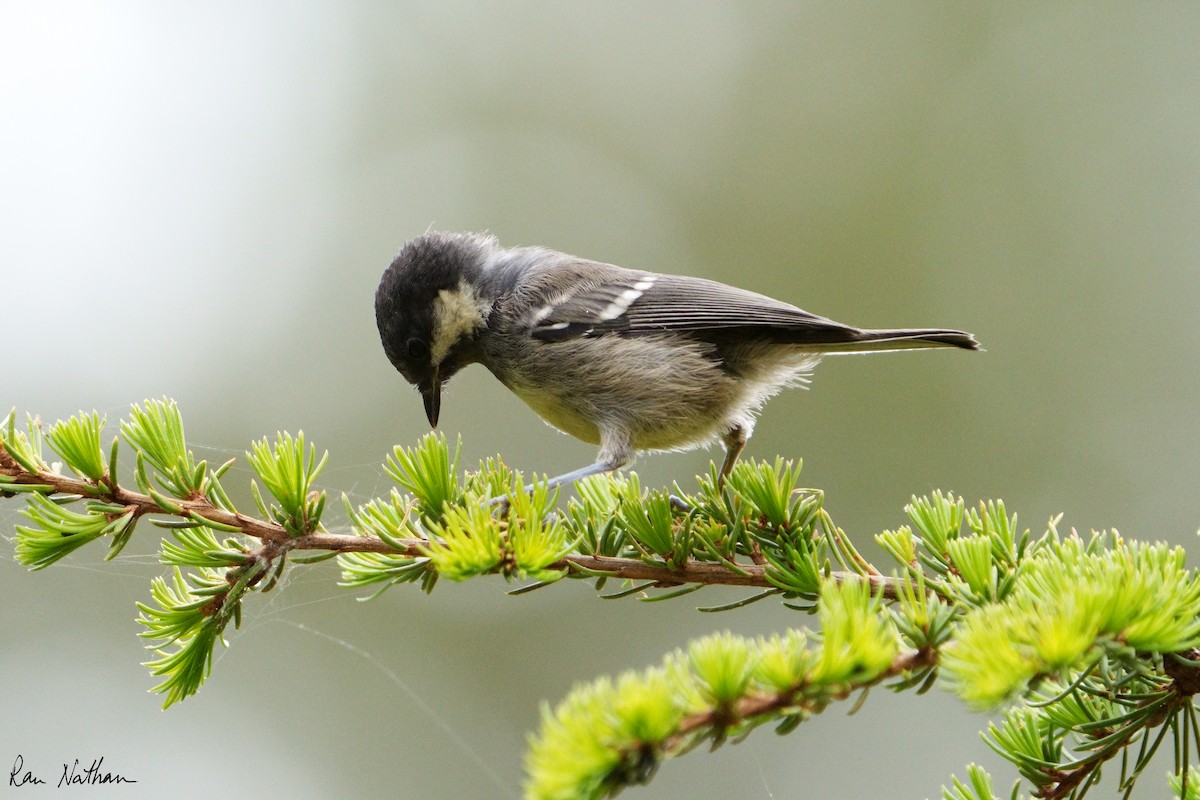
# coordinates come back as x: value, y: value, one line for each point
x: 561, y: 480
x: 734, y: 441
x: 615, y: 452
x: 567, y: 478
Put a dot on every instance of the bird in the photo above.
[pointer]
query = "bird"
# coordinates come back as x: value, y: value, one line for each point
x: 629, y: 360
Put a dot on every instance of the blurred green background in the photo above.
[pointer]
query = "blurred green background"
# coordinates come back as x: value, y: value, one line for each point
x: 198, y: 203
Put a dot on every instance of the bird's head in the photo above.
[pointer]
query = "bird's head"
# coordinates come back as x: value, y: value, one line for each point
x: 428, y: 309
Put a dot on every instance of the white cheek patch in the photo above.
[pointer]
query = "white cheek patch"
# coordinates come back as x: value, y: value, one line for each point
x: 621, y: 303
x: 457, y: 313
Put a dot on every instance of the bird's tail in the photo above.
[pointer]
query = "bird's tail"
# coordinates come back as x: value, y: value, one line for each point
x: 874, y: 341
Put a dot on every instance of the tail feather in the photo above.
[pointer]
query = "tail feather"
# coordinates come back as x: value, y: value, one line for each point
x: 871, y: 341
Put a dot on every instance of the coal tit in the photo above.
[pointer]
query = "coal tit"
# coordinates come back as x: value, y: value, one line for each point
x: 625, y: 359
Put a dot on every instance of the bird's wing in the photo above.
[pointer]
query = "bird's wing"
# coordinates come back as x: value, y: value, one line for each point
x: 632, y: 302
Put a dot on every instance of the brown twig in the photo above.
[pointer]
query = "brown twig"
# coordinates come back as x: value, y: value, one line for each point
x: 702, y: 572
x: 747, y: 708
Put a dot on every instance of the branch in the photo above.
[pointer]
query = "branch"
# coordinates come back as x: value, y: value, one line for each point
x: 747, y: 709
x: 141, y: 504
x: 688, y: 572
x: 1091, y: 642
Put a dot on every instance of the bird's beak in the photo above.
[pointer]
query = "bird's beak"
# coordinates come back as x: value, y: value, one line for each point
x: 431, y: 393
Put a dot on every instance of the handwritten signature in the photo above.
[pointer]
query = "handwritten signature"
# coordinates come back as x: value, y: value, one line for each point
x: 72, y: 775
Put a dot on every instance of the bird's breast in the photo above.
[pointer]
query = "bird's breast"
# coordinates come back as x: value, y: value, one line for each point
x: 664, y: 392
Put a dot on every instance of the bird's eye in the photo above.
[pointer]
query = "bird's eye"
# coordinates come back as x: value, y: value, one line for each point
x: 417, y: 349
